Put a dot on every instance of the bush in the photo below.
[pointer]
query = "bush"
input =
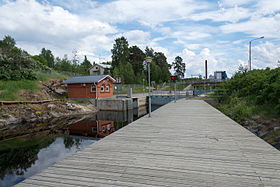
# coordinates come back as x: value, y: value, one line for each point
x: 256, y: 87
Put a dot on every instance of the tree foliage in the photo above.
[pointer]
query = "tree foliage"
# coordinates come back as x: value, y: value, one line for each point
x: 256, y: 87
x: 127, y: 62
x: 47, y: 54
x: 85, y: 66
x: 15, y: 64
x: 179, y: 66
x: 136, y: 59
x: 63, y: 65
x: 120, y: 52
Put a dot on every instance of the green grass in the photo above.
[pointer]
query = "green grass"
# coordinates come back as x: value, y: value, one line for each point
x: 241, y: 109
x: 46, y: 76
x: 238, y: 109
x: 78, y: 101
x: 134, y: 90
x: 10, y: 89
x: 265, y: 111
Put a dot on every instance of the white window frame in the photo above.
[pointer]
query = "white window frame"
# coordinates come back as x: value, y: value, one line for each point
x: 109, y: 127
x: 102, y: 88
x: 91, y: 88
x: 103, y: 128
x: 107, y: 88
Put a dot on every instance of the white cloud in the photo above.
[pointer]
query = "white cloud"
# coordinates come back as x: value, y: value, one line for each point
x: 200, y: 30
x: 136, y: 37
x: 195, y: 62
x: 231, y: 3
x: 265, y: 55
x: 268, y: 6
x: 44, y: 25
x: 160, y: 49
x: 257, y: 26
x: 224, y: 14
x: 148, y: 12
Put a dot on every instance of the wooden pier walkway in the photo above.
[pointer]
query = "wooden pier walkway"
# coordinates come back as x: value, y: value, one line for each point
x: 187, y: 143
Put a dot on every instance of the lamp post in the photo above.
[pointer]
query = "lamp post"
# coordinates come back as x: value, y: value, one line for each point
x: 250, y: 52
x: 148, y: 61
x: 143, y: 87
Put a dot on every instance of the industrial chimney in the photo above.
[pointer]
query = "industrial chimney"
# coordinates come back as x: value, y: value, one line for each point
x: 205, y: 69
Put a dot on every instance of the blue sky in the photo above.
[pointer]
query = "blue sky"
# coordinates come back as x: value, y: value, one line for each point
x: 196, y: 30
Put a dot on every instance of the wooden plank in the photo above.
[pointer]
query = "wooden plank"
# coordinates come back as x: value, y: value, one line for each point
x: 26, y: 102
x: 187, y: 143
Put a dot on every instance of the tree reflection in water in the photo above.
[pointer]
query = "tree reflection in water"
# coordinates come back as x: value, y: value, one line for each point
x: 22, y: 160
x: 18, y: 160
x: 70, y: 141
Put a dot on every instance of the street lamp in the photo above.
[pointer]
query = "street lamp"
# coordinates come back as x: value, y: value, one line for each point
x: 250, y: 52
x: 143, y: 87
x: 148, y: 61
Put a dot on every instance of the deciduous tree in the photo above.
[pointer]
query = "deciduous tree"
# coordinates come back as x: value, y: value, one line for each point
x: 47, y: 54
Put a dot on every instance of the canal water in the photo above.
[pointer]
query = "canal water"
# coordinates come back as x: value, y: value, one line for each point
x: 24, y: 156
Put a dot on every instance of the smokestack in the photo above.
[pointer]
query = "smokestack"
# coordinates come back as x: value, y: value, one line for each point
x: 205, y: 69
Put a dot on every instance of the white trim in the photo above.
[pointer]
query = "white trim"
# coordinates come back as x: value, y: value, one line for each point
x: 109, y: 77
x: 91, y: 86
x: 108, y: 86
x: 102, y: 89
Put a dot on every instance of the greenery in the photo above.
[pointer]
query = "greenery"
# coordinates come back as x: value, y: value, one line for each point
x: 270, y: 138
x: 18, y: 154
x: 9, y: 88
x: 15, y: 64
x: 179, y: 66
x: 138, y: 89
x: 250, y: 93
x: 48, y: 57
x: 127, y: 62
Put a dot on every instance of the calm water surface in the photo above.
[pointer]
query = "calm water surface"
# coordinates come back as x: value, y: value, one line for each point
x: 23, y: 157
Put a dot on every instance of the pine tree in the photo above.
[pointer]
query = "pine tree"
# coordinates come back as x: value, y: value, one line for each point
x: 179, y: 66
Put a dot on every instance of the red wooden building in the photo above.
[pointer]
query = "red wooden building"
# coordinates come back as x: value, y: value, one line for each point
x: 90, y: 86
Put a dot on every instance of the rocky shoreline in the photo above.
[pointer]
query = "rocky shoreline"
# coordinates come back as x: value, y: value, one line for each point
x: 20, y: 119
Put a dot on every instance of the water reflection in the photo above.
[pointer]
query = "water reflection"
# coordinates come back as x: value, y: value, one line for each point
x: 21, y: 163
x: 23, y: 157
x: 92, y: 128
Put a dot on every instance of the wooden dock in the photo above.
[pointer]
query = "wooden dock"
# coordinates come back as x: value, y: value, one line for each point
x: 187, y: 143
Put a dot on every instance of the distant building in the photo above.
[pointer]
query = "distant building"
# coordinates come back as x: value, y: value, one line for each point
x: 90, y: 86
x: 99, y: 69
x: 211, y: 77
x: 220, y: 75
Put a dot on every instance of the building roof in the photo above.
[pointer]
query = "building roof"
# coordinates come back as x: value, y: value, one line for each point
x: 87, y: 79
x: 108, y: 66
